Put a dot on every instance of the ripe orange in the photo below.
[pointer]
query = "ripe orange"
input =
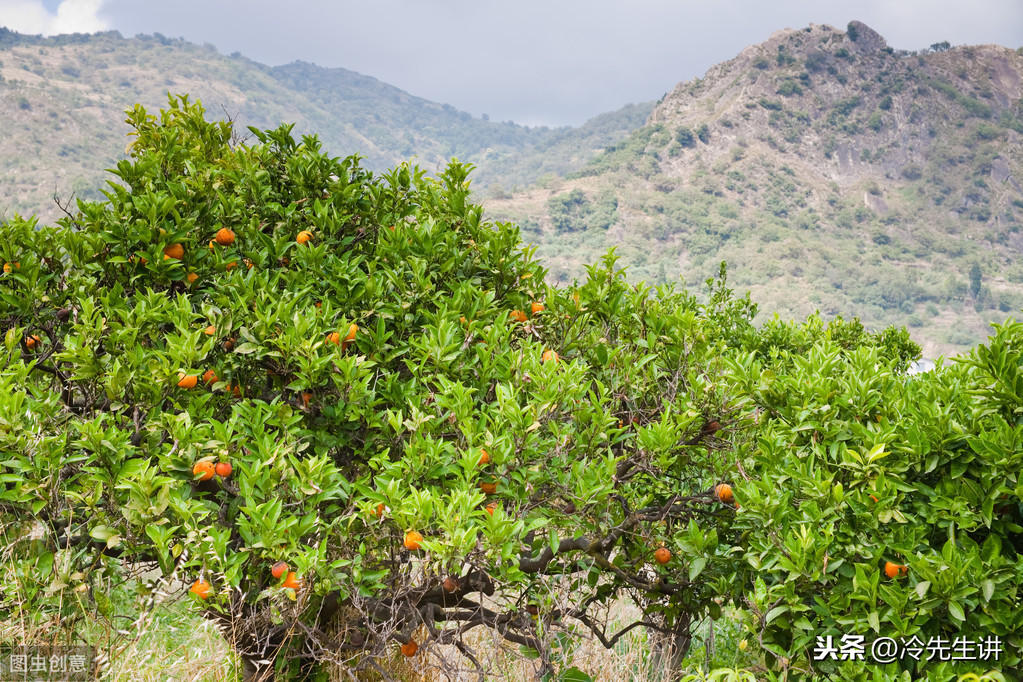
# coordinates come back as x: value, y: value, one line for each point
x: 210, y: 330
x: 279, y: 569
x: 334, y: 338
x: 662, y: 555
x: 209, y: 377
x: 176, y: 251
x: 518, y: 316
x: 307, y: 398
x: 16, y: 266
x: 488, y: 488
x: 352, y: 331
x: 410, y: 648
x: 32, y: 342
x: 292, y: 581
x: 484, y: 457
x: 223, y: 469
x: 191, y: 277
x: 187, y: 381
x: 412, y: 540
x: 379, y: 511
x: 304, y: 236
x: 204, y: 470
x: 536, y: 307
x: 549, y: 355
x: 225, y: 237
x: 892, y: 570
x: 232, y: 264
x: 724, y: 493
x: 491, y: 508
x: 201, y: 589
x: 451, y: 584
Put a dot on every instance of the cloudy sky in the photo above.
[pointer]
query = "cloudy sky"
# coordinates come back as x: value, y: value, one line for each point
x: 550, y: 62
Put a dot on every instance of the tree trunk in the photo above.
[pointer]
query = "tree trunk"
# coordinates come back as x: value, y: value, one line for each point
x: 668, y: 649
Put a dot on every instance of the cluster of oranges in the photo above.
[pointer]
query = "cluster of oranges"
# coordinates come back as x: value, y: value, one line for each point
x: 206, y: 469
x: 202, y: 589
x: 535, y: 308
x: 349, y: 339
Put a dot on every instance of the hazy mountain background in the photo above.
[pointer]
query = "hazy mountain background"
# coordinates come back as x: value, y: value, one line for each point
x: 829, y: 170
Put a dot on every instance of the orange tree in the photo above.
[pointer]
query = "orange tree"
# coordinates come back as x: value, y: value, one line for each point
x: 351, y: 345
x: 882, y: 505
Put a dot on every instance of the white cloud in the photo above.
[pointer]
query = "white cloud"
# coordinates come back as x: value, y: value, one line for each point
x: 72, y: 16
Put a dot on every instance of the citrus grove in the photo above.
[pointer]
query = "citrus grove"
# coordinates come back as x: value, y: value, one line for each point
x: 387, y: 431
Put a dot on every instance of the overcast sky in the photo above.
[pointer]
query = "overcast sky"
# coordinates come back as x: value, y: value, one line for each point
x: 535, y: 62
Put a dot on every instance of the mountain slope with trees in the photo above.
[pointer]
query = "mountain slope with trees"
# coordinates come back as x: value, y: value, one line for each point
x: 831, y: 172
x: 63, y: 99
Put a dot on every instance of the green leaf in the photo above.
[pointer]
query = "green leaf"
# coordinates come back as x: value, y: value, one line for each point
x: 956, y: 611
x: 987, y: 589
x: 696, y: 567
x: 774, y: 613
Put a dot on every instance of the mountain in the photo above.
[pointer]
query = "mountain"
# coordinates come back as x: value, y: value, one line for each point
x: 830, y: 171
x: 64, y: 99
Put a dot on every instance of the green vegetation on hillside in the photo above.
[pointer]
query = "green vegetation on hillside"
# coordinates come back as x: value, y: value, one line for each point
x: 830, y: 178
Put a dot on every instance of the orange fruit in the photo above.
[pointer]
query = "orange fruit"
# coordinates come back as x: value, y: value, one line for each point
x: 892, y: 570
x: 225, y: 237
x: 484, y: 457
x: 209, y: 377
x: 334, y: 338
x: 488, y: 488
x: 176, y: 251
x: 306, y: 399
x: 201, y: 589
x: 232, y: 264
x: 518, y: 316
x: 187, y: 381
x: 549, y: 355
x: 536, y: 307
x: 32, y: 342
x: 278, y: 569
x: 17, y: 266
x: 191, y: 277
x: 292, y: 581
x: 319, y: 305
x: 223, y: 469
x: 379, y: 511
x: 412, y: 540
x: 491, y: 508
x: 662, y: 555
x: 304, y: 236
x: 451, y: 584
x: 410, y: 648
x: 204, y: 470
x: 462, y: 320
x: 724, y: 493
x: 210, y: 330
x: 352, y: 331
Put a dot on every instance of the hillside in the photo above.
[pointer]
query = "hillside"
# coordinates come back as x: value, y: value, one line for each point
x: 831, y: 172
x: 64, y: 99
